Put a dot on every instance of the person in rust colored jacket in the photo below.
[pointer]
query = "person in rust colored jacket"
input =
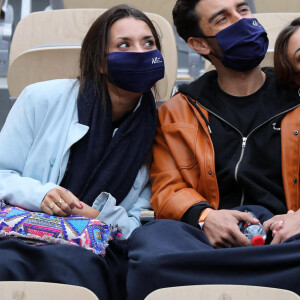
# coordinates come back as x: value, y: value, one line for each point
x: 226, y: 144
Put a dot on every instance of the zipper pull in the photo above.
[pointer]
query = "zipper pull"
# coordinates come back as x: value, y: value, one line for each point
x: 244, y: 142
x: 209, y: 129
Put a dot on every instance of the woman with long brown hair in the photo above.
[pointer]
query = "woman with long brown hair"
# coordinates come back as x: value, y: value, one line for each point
x: 79, y: 148
x: 287, y: 54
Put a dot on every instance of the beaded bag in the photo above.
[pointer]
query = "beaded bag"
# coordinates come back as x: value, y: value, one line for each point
x: 39, y: 229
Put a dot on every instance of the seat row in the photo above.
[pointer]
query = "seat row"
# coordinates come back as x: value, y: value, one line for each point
x: 48, y: 291
x: 53, y: 42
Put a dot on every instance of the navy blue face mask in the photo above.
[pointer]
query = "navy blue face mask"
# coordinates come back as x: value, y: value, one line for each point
x: 135, y: 71
x: 244, y: 44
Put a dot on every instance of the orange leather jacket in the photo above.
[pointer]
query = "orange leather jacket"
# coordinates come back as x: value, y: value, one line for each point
x: 183, y: 169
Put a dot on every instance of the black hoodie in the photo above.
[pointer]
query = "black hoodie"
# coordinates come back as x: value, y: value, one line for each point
x: 245, y: 132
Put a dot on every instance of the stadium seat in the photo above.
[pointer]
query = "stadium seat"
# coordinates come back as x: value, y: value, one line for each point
x: 163, y: 8
x: 64, y: 35
x: 20, y: 290
x: 221, y: 292
x: 263, y: 6
x: 275, y: 22
x: 30, y: 66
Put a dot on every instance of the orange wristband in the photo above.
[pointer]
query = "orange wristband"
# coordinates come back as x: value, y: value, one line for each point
x: 204, y: 214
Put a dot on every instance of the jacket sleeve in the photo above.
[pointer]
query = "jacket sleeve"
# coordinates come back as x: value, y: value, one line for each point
x: 175, y: 172
x: 16, y: 139
x: 127, y: 214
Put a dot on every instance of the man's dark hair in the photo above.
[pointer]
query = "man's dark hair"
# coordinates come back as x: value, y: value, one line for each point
x: 186, y: 19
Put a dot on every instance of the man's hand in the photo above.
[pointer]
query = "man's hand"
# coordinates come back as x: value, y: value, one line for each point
x: 60, y: 202
x: 283, y: 226
x: 222, y: 230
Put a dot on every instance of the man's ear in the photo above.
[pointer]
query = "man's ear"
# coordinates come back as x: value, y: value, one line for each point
x: 200, y: 45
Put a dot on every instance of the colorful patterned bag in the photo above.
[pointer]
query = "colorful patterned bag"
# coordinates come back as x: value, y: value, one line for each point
x: 40, y: 229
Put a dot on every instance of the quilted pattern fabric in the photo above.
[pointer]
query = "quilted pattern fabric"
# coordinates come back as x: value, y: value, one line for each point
x: 40, y: 228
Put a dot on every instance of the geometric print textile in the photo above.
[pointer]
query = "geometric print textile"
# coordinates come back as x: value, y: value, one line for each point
x: 39, y: 229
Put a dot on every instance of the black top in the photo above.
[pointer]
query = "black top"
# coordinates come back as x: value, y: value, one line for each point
x: 247, y: 143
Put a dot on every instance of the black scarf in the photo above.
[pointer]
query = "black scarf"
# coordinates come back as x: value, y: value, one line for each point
x: 102, y: 163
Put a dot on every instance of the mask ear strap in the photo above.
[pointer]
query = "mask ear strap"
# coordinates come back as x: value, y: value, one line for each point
x: 211, y: 37
x: 215, y: 55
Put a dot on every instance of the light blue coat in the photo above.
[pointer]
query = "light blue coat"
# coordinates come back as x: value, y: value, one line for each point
x: 35, y: 145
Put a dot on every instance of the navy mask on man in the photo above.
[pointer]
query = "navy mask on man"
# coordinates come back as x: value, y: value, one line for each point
x: 135, y: 71
x: 244, y: 44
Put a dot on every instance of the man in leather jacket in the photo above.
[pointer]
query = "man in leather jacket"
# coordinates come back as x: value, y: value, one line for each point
x: 231, y: 137
x: 226, y: 144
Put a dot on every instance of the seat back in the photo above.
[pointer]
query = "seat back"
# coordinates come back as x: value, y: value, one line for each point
x: 51, y: 28
x: 163, y: 8
x: 62, y: 31
x: 43, y: 290
x: 275, y: 22
x: 262, y: 6
x: 218, y: 292
x: 41, y: 64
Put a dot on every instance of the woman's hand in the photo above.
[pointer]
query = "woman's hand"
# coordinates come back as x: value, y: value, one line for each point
x: 86, y: 211
x: 222, y: 230
x: 283, y: 226
x: 60, y: 202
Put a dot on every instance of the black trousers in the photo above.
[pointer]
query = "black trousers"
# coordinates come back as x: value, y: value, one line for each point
x: 105, y: 276
x: 166, y: 253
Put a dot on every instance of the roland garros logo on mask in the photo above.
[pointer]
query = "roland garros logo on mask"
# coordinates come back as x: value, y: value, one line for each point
x: 156, y: 60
